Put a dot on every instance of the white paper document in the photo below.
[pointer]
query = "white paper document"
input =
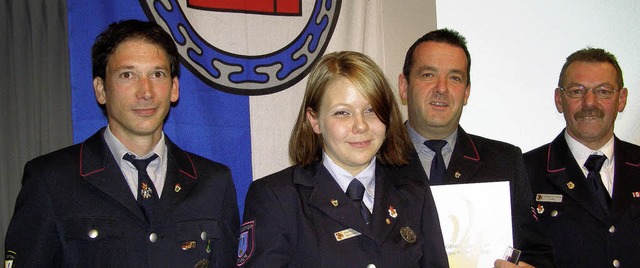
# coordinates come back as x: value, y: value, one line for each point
x: 475, y: 220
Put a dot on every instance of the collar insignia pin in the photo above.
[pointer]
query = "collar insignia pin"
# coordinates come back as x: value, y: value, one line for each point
x: 570, y: 185
x: 540, y: 209
x: 392, y: 212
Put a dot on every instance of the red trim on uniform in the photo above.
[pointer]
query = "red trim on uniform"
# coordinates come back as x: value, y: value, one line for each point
x: 477, y: 158
x: 548, y: 162
x: 195, y: 173
x: 632, y: 164
x: 82, y: 174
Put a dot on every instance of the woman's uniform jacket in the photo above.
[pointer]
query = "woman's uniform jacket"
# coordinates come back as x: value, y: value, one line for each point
x: 300, y: 217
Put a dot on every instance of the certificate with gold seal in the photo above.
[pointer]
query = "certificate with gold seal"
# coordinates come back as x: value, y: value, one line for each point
x: 475, y: 220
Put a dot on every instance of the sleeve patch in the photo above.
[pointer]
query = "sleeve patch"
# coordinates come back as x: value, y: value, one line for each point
x: 245, y: 243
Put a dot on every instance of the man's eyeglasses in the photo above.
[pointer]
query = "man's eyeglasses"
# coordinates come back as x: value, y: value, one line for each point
x: 578, y: 92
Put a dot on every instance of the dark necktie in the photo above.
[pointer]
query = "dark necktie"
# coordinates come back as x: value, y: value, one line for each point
x: 355, y: 192
x: 146, y: 195
x: 438, y: 169
x: 594, y: 164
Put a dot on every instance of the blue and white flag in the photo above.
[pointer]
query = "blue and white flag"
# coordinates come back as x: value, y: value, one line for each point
x: 243, y: 68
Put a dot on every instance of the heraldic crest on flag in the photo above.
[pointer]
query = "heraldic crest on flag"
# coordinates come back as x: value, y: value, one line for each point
x: 236, y: 73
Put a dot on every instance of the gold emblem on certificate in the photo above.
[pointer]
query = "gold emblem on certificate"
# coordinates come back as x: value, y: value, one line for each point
x: 408, y: 235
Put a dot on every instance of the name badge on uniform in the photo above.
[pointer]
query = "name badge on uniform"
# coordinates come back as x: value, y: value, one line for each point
x: 346, y: 234
x: 553, y: 198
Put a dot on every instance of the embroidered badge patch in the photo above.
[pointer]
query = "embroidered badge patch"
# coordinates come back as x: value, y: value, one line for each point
x: 245, y: 243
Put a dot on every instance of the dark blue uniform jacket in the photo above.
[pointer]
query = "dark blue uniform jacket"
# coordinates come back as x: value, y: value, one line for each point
x: 582, y: 234
x: 295, y: 218
x: 75, y: 209
x: 476, y: 159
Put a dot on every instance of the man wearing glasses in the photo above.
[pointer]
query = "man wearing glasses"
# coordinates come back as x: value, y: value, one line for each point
x: 586, y: 182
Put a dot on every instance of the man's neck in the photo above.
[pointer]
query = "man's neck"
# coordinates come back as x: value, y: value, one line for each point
x: 593, y: 145
x: 139, y: 145
x: 433, y: 133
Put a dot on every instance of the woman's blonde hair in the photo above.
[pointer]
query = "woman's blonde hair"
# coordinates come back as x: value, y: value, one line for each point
x: 305, y: 146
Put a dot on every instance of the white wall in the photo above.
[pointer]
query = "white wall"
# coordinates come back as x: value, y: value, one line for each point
x: 517, y: 50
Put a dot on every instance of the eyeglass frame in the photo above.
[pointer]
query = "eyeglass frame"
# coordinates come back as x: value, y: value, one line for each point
x: 584, y: 91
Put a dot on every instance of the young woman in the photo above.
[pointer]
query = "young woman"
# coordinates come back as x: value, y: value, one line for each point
x: 342, y: 204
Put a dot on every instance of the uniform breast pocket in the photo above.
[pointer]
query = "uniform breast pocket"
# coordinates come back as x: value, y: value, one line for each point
x: 94, y: 240
x: 196, y: 238
x: 634, y: 208
x: 634, y: 212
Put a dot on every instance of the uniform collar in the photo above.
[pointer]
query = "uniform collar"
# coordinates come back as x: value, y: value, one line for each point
x: 581, y: 152
x: 418, y: 140
x: 343, y: 177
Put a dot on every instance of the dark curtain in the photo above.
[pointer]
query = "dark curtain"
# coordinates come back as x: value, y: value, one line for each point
x: 35, y: 113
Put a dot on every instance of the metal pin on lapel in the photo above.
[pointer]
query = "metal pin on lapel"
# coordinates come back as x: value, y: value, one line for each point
x: 408, y: 234
x: 571, y: 185
x: 392, y: 212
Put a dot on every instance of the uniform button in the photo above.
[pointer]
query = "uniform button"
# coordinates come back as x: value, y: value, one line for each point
x: 203, y: 236
x: 371, y: 266
x: 554, y: 213
x: 612, y: 229
x: 616, y: 263
x: 93, y: 233
x: 153, y: 237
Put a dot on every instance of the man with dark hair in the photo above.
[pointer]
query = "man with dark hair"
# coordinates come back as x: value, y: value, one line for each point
x: 586, y: 180
x: 127, y: 196
x: 435, y: 83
